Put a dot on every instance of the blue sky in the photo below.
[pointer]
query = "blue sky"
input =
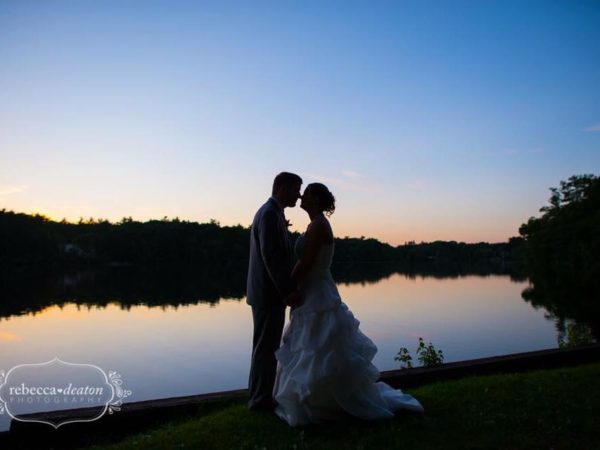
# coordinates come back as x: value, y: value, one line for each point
x: 428, y: 120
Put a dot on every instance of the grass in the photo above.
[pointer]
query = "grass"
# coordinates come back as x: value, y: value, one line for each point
x: 557, y: 409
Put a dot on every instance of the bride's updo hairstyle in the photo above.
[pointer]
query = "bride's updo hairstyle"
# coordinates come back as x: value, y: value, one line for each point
x: 324, y: 197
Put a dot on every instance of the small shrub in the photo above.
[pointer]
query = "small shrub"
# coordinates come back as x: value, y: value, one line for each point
x: 404, y: 357
x: 427, y: 355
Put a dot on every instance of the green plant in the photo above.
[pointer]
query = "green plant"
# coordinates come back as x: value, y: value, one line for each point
x: 575, y: 335
x: 404, y: 357
x: 426, y: 354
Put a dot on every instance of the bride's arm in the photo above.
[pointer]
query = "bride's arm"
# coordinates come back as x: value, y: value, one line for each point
x: 315, y: 237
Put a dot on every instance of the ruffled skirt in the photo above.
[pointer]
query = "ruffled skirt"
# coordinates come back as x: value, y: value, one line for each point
x: 324, y: 370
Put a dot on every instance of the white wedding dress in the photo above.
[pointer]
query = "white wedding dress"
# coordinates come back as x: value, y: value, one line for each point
x: 324, y: 368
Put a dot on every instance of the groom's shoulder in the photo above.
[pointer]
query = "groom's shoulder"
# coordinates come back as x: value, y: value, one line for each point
x: 266, y: 209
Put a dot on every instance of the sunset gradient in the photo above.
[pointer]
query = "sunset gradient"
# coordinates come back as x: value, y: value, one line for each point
x: 428, y: 120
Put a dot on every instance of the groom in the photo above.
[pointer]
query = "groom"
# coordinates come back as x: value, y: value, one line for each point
x: 269, y: 283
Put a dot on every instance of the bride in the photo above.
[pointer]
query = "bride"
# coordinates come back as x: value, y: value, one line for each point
x: 324, y: 368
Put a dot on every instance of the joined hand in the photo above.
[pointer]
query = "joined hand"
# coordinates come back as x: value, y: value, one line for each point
x: 294, y: 299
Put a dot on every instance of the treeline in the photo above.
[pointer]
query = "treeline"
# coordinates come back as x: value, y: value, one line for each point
x: 562, y: 251
x: 36, y: 240
x: 174, y: 262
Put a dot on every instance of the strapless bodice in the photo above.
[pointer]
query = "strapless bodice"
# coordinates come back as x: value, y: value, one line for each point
x: 319, y: 290
x: 324, y: 258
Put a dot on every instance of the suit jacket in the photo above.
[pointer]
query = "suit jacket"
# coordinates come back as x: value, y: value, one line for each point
x: 270, y: 266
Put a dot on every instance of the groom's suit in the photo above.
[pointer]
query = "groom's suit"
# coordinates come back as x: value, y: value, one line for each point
x: 269, y: 282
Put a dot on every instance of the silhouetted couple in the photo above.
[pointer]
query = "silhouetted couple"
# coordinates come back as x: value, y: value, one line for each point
x: 321, y: 370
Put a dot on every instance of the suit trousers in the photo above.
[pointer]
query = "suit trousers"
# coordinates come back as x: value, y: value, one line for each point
x: 268, y: 327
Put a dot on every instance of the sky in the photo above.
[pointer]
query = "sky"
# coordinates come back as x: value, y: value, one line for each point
x: 428, y: 121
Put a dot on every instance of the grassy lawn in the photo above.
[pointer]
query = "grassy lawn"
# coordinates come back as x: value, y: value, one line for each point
x: 545, y: 409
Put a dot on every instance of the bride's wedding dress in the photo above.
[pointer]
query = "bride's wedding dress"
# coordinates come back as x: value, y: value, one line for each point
x: 324, y: 368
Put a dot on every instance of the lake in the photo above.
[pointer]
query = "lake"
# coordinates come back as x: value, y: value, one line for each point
x: 163, y: 351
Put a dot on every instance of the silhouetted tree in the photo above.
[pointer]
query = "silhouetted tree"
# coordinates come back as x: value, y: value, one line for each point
x: 561, y: 251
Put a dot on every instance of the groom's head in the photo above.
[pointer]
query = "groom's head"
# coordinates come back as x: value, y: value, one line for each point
x: 286, y: 188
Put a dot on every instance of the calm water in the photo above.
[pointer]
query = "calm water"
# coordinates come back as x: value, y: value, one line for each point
x: 172, y: 351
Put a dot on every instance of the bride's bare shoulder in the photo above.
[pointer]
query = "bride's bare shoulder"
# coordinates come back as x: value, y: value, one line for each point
x: 321, y: 229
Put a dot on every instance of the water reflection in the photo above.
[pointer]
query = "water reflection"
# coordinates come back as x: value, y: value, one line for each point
x: 186, y: 346
x: 30, y: 291
x: 576, y: 312
x: 173, y: 331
